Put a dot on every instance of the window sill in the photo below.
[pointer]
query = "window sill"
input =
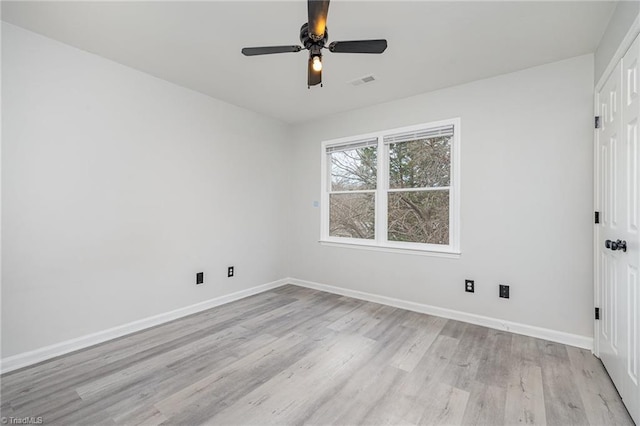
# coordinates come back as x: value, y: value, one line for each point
x: 389, y: 249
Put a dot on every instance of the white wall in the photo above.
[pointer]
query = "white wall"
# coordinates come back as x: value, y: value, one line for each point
x: 526, y: 200
x: 118, y: 187
x: 625, y: 13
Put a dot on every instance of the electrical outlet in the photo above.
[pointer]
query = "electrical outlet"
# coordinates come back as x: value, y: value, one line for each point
x: 230, y: 271
x: 200, y: 278
x: 469, y: 286
x: 504, y: 291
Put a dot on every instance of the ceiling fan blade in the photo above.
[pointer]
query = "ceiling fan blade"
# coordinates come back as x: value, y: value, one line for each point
x: 313, y: 77
x: 358, y: 46
x: 268, y: 50
x: 318, y: 10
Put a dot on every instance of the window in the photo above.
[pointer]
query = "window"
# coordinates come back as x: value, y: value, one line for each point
x: 397, y: 189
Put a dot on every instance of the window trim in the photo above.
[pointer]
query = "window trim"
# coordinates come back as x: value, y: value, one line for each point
x: 382, y: 187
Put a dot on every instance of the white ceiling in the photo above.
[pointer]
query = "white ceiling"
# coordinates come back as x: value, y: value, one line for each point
x: 432, y: 45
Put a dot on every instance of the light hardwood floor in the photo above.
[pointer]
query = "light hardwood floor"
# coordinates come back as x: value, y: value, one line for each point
x: 299, y: 356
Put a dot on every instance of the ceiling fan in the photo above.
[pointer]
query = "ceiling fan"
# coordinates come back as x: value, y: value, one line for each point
x: 313, y: 36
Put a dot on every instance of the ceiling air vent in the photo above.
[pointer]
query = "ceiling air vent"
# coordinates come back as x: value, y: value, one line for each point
x: 362, y: 80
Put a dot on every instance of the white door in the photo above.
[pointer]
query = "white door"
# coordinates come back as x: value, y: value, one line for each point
x: 618, y: 236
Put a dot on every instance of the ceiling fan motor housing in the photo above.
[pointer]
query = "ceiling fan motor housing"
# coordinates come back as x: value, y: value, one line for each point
x: 314, y: 46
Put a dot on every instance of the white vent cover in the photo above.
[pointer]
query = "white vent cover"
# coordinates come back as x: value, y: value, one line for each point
x: 362, y: 80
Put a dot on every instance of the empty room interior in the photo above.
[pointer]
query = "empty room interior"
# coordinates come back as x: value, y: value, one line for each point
x: 313, y: 212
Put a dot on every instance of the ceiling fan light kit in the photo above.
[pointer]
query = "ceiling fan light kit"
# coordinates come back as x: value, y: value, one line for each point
x: 315, y: 40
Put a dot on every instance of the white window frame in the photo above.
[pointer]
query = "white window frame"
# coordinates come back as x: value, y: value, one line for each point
x: 380, y: 242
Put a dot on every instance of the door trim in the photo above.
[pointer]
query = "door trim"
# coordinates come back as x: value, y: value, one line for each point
x: 625, y: 44
x: 596, y: 230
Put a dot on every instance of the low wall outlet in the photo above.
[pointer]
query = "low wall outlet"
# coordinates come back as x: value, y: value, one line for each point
x: 469, y: 286
x: 200, y: 278
x: 230, y: 271
x: 504, y: 291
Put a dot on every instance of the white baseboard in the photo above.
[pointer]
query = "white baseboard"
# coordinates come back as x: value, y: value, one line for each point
x: 584, y: 342
x: 42, y: 354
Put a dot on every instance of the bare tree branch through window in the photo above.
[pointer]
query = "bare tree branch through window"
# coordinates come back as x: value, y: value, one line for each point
x: 415, y: 190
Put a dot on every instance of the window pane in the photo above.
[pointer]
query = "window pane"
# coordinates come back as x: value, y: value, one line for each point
x: 354, y: 169
x: 352, y: 215
x: 419, y: 217
x: 420, y: 163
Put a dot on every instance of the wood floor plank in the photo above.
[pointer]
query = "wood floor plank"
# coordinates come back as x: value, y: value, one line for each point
x: 126, y: 377
x: 393, y: 318
x: 463, y: 367
x: 127, y: 408
x: 308, y: 311
x: 454, y: 329
x: 360, y: 320
x: 295, y: 355
x: 493, y: 367
x: 562, y: 400
x: 67, y: 400
x: 412, y: 351
x: 283, y: 398
x: 446, y: 406
x: 601, y: 400
x: 525, y: 349
x: 525, y: 397
x: 405, y: 402
x: 75, y: 380
x: 147, y: 416
x: 235, y: 379
x: 5, y: 408
x: 350, y: 402
x: 485, y: 406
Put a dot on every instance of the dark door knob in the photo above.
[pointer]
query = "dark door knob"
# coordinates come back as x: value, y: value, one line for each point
x: 616, y: 245
x: 621, y: 245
